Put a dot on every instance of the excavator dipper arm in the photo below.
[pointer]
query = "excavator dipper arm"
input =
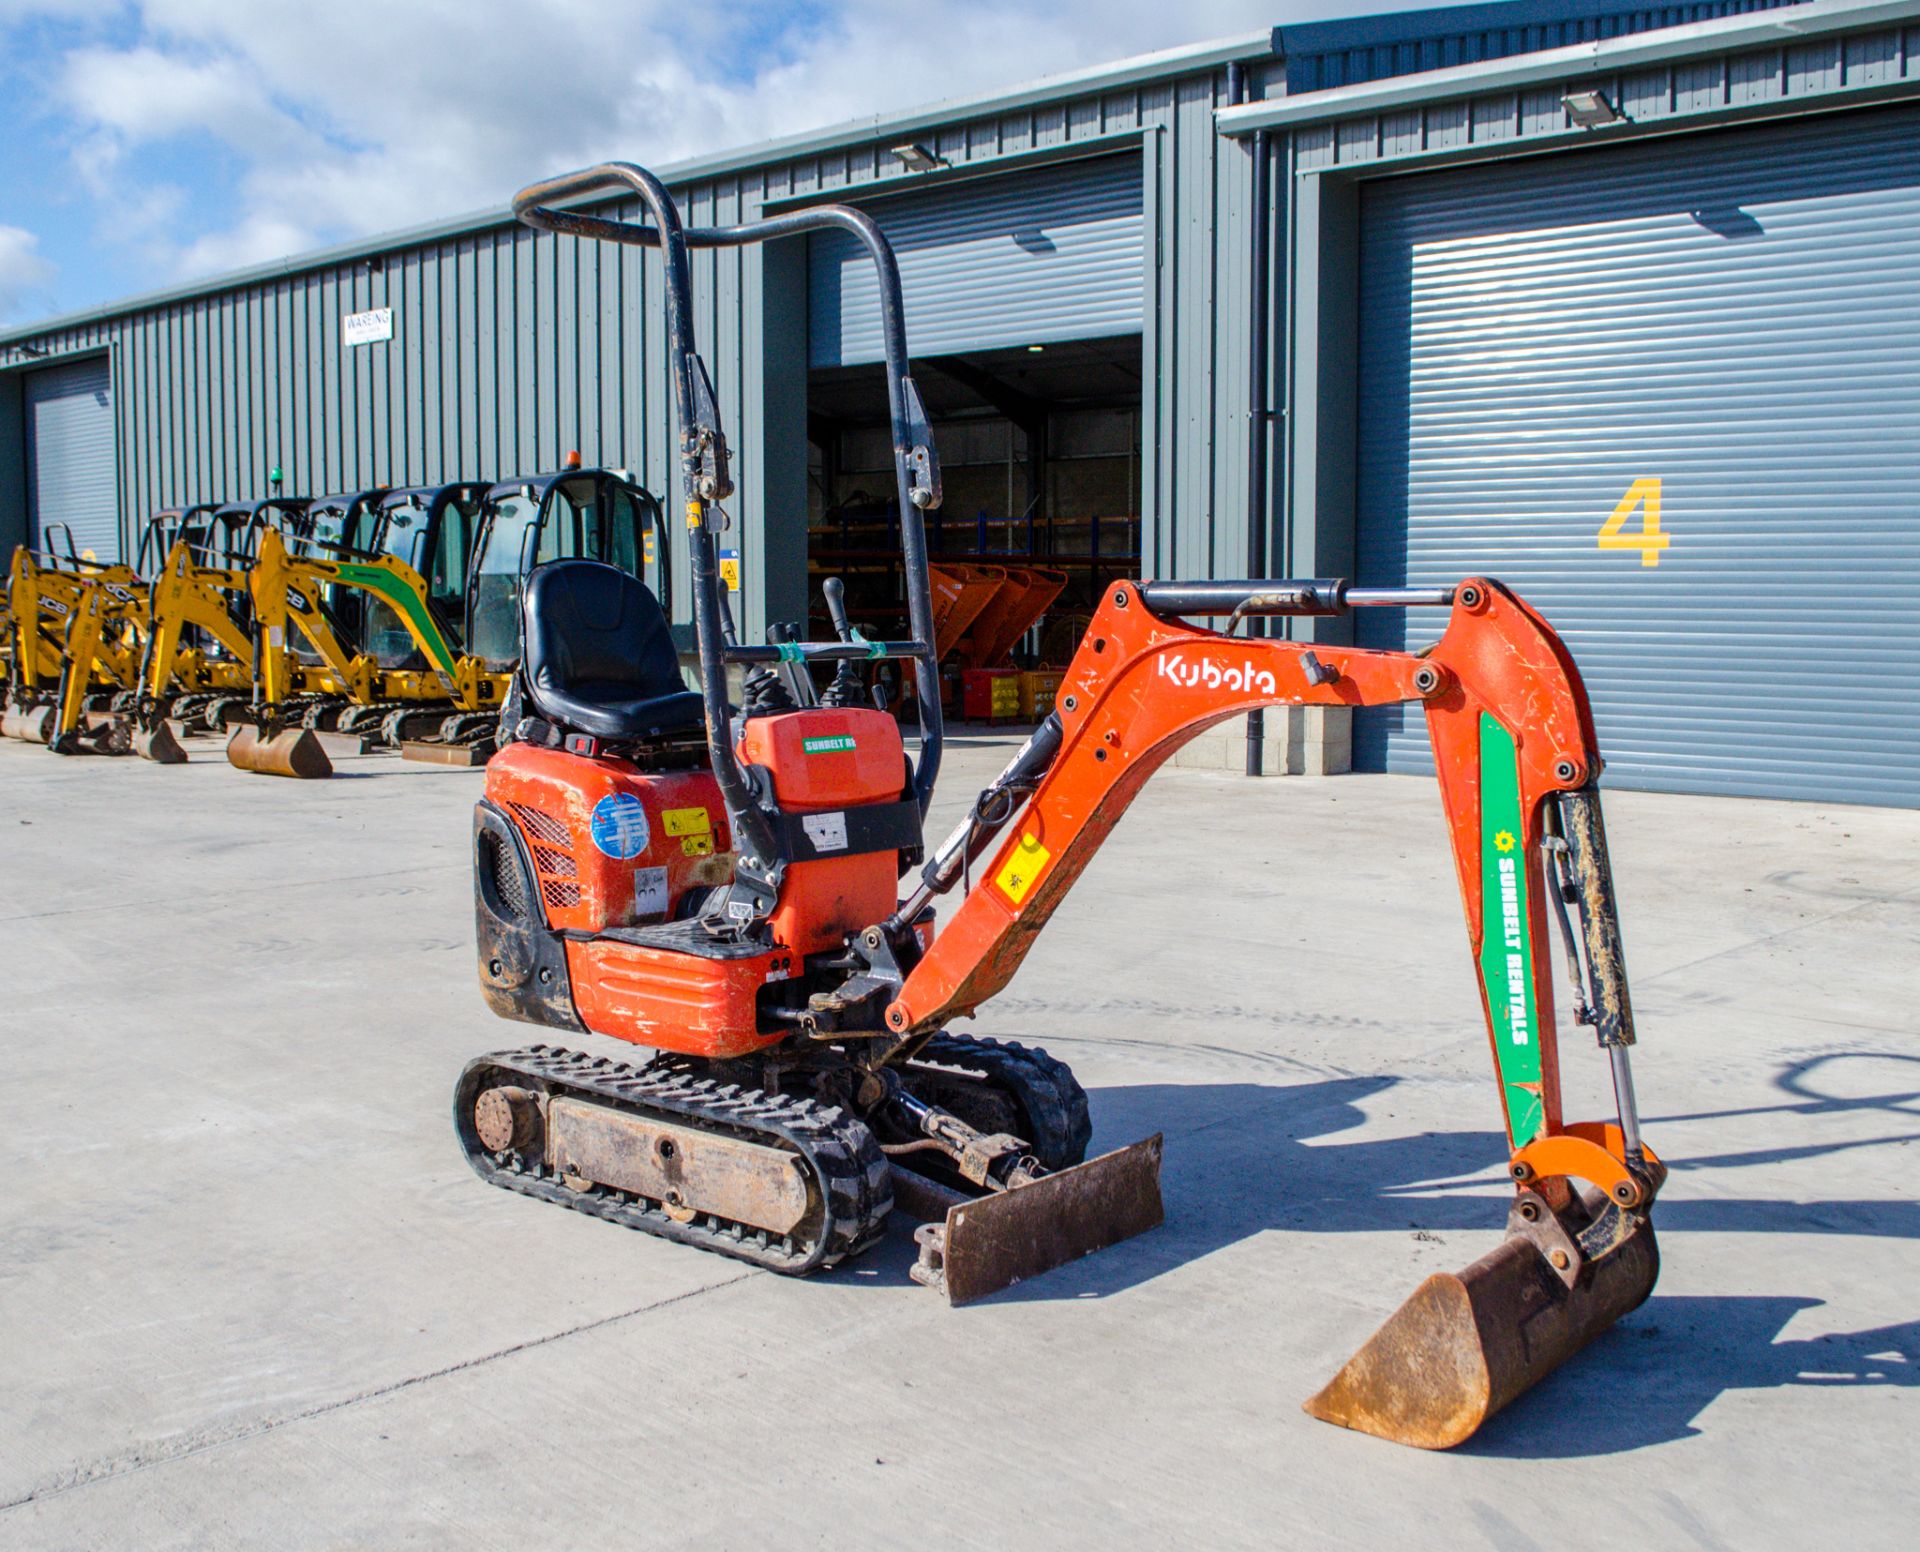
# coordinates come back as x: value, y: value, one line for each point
x: 1517, y: 760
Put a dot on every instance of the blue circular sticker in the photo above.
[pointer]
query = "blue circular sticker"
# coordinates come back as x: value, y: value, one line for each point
x: 620, y: 825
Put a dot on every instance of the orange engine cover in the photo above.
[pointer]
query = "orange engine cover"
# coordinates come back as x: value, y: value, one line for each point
x: 826, y: 758
x: 611, y: 846
x: 673, y: 1001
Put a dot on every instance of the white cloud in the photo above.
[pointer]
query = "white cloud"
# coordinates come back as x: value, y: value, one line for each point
x: 354, y: 116
x: 24, y: 272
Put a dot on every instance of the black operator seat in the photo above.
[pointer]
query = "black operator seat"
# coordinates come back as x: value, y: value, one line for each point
x: 597, y: 656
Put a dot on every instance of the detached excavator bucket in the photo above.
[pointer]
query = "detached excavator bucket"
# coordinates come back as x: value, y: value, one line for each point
x: 1469, y: 1342
x: 988, y: 1243
x: 294, y: 752
x: 34, y: 724
x: 158, y: 743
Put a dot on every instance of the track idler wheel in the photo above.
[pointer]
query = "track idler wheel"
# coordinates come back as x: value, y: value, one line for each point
x: 1467, y: 1343
x: 295, y: 752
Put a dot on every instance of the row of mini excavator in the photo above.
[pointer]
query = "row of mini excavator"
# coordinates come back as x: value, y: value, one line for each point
x: 379, y: 618
x: 747, y: 893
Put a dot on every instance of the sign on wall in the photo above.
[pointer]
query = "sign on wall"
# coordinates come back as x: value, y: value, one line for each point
x: 366, y: 328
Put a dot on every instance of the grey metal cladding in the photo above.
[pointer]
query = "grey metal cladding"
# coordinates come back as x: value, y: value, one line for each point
x: 1054, y: 253
x: 1322, y: 55
x: 1736, y: 316
x: 70, y: 456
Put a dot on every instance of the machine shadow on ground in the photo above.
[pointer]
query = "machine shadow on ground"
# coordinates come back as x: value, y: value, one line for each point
x: 1665, y: 1363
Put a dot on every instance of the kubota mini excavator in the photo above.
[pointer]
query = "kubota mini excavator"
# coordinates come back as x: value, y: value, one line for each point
x: 720, y: 886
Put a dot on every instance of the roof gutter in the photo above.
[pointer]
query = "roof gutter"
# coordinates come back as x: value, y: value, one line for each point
x: 1166, y: 63
x: 1791, y: 24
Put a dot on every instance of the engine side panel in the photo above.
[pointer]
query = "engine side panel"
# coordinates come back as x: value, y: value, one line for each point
x: 611, y: 846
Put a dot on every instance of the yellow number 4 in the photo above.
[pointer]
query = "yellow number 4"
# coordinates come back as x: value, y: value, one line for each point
x: 1650, y: 541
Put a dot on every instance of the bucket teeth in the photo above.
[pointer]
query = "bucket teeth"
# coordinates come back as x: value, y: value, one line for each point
x: 294, y: 752
x: 1467, y: 1343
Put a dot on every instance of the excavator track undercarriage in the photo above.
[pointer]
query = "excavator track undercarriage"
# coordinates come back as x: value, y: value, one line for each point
x: 782, y: 1181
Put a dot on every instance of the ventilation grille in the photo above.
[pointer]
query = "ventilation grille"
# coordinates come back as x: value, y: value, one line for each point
x: 507, y: 883
x: 541, y: 825
x: 553, y: 856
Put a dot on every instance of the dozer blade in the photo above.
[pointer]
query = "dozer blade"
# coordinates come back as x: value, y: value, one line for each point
x: 992, y: 1242
x: 158, y: 744
x: 431, y: 753
x: 1467, y: 1343
x: 294, y: 752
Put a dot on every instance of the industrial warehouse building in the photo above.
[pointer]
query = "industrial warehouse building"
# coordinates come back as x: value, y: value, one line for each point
x: 1620, y: 304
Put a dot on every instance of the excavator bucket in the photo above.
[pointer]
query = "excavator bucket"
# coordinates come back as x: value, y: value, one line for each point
x: 158, y: 743
x: 293, y: 752
x: 988, y: 1243
x: 34, y: 724
x: 1467, y: 1343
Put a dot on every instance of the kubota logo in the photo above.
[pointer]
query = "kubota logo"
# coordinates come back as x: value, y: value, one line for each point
x: 1209, y: 675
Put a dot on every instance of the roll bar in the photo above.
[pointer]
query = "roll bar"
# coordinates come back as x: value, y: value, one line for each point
x: 703, y: 448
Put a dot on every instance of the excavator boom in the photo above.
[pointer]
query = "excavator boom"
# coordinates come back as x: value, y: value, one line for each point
x: 1517, y: 760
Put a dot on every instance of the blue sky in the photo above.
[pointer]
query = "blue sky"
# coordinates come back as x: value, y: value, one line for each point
x: 154, y: 142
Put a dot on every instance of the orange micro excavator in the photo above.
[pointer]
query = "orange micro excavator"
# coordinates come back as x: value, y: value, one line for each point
x: 722, y: 885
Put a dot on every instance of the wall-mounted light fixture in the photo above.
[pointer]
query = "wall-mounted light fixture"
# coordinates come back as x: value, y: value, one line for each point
x: 1589, y: 109
x: 917, y: 158
x: 32, y: 352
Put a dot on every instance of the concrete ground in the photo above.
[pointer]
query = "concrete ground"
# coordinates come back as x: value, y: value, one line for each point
x: 250, y: 1295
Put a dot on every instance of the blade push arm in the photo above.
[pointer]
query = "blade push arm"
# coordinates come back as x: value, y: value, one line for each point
x: 1516, y: 756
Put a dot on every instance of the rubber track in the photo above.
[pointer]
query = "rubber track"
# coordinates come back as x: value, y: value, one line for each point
x: 841, y: 1155
x: 1046, y: 1088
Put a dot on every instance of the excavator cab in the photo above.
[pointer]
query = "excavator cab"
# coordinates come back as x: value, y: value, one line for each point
x: 165, y: 528
x: 575, y: 513
x: 430, y: 528
x: 336, y: 526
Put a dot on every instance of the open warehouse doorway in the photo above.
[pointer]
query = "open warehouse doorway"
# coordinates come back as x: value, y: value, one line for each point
x: 1024, y: 305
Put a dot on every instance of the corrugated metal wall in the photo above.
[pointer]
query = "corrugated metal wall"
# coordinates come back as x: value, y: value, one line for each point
x: 70, y: 463
x: 1727, y: 325
x: 1052, y: 254
x: 1340, y: 53
x: 511, y: 347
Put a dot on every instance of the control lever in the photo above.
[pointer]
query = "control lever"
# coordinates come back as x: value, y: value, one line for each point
x: 846, y: 688
x: 794, y: 676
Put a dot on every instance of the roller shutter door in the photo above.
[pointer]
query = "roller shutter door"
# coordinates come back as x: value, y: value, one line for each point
x: 1028, y: 258
x: 1728, y: 325
x: 70, y: 464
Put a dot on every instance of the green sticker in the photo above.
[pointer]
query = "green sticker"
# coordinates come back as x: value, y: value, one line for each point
x: 1506, y: 948
x: 826, y: 745
x: 384, y: 584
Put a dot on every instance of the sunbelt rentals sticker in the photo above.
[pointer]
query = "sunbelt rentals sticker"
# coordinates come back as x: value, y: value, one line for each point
x: 1506, y: 945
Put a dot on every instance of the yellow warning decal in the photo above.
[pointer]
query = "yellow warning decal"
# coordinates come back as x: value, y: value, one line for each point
x: 1022, y: 868
x: 686, y: 821
x: 696, y: 846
